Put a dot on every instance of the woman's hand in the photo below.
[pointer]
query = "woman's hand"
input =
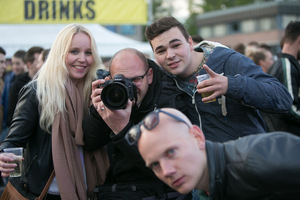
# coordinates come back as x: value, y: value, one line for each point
x: 6, y: 164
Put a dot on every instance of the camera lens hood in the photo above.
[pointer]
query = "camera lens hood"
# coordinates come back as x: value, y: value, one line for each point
x: 115, y: 96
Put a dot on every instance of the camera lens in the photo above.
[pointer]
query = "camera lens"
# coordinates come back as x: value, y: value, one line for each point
x: 114, y: 96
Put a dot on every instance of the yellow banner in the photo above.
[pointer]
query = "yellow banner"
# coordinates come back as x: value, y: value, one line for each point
x: 70, y: 11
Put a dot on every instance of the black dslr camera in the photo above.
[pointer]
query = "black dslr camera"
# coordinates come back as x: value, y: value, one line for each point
x: 116, y: 92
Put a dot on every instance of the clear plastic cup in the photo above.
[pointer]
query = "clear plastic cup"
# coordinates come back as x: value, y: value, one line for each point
x: 201, y: 78
x: 17, y: 154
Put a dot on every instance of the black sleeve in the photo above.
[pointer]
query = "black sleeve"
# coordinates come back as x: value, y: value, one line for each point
x: 25, y: 120
x: 95, y: 131
x: 13, y: 99
x: 131, y: 151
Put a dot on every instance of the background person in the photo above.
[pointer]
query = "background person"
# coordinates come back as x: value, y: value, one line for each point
x: 238, y: 88
x: 287, y: 70
x: 42, y: 58
x: 2, y: 73
x: 47, y: 122
x: 31, y: 60
x: 2, y: 68
x: 264, y: 166
x: 18, y: 67
x: 197, y: 39
x: 263, y: 58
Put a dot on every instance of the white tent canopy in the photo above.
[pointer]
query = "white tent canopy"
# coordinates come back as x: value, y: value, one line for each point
x: 14, y: 37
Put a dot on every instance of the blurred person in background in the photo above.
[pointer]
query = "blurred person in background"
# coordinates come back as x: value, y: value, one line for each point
x: 197, y: 39
x: 18, y: 67
x: 287, y: 70
x: 240, y: 48
x: 2, y: 68
x: 31, y: 59
x: 263, y: 58
x: 2, y: 73
x: 42, y: 58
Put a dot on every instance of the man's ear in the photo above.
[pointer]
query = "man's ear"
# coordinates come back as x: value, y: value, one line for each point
x: 190, y: 41
x: 150, y: 76
x: 197, y: 133
x: 28, y: 64
x: 298, y: 40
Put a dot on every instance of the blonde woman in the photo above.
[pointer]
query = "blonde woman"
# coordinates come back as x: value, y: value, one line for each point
x: 47, y: 122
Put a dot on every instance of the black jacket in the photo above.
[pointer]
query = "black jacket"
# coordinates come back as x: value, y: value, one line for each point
x: 287, y: 70
x: 19, y: 82
x: 25, y: 132
x: 260, y: 167
x: 127, y: 164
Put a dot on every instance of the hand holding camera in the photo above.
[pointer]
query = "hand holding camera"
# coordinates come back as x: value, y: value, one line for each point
x: 116, y: 92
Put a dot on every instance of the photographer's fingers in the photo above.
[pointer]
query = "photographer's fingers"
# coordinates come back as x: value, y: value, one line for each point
x: 96, y: 84
x: 101, y: 106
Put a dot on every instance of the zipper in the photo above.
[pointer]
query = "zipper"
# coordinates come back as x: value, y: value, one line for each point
x: 193, y: 101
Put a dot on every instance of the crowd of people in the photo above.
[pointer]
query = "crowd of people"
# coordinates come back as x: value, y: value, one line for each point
x: 173, y: 138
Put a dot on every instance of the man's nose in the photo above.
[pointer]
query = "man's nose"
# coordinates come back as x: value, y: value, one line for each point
x: 168, y: 168
x: 170, y: 53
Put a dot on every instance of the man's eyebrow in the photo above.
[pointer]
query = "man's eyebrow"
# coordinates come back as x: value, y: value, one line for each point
x: 170, y: 42
x: 174, y: 40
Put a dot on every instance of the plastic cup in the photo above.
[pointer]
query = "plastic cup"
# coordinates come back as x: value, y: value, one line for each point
x: 201, y: 78
x: 17, y: 155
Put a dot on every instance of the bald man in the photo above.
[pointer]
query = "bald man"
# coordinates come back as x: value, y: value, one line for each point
x: 264, y: 166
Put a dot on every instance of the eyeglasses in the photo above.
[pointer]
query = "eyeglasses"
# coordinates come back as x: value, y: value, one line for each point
x: 149, y: 122
x: 138, y: 79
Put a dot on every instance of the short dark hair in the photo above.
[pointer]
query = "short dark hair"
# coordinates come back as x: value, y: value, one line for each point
x: 292, y: 32
x: 2, y: 51
x: 240, y: 47
x: 163, y: 24
x: 197, y: 38
x: 29, y: 57
x: 265, y: 46
x: 45, y: 54
x: 258, y: 55
x: 20, y: 54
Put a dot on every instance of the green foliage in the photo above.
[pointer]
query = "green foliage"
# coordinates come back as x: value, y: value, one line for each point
x: 190, y: 24
x: 211, y: 5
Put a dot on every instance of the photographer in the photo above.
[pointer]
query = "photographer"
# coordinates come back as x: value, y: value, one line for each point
x: 128, y: 177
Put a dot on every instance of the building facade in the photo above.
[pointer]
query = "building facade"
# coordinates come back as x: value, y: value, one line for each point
x: 260, y: 22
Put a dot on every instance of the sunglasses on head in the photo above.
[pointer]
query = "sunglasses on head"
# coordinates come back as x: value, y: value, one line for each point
x: 149, y: 122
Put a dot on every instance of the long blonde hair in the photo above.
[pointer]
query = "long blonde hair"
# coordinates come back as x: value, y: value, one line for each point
x: 53, y: 75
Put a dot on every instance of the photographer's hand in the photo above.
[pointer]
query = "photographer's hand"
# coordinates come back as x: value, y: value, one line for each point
x: 96, y: 93
x: 116, y: 119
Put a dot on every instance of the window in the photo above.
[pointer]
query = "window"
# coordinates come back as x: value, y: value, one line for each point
x: 248, y: 26
x: 205, y: 32
x: 234, y: 27
x: 266, y: 24
x: 219, y: 30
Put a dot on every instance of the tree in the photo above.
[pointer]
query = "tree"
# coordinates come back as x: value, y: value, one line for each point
x: 195, y: 8
x: 211, y: 5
